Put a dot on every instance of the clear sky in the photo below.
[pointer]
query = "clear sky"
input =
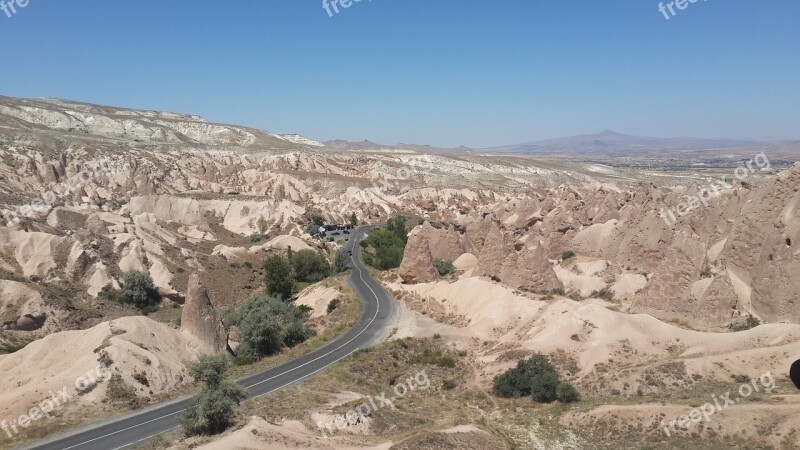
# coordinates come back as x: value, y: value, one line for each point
x: 441, y: 72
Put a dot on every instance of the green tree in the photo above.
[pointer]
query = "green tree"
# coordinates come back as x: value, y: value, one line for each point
x: 138, y: 289
x: 278, y: 277
x: 310, y: 266
x: 534, y: 376
x: 341, y: 261
x: 266, y: 325
x: 388, y: 249
x: 353, y: 219
x: 212, y: 411
x: 397, y: 226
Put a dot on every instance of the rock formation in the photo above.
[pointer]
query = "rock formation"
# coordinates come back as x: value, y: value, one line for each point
x: 201, y: 320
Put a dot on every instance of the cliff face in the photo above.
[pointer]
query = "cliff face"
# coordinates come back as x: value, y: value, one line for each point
x: 201, y: 320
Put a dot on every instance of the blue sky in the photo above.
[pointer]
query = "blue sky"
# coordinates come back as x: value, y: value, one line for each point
x: 442, y: 72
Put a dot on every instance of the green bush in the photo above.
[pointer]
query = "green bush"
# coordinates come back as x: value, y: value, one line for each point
x: 750, y: 322
x: 353, y: 219
x: 534, y: 376
x: 312, y: 229
x: 279, y: 277
x: 333, y: 305
x: 267, y: 325
x: 444, y: 266
x: 138, y: 290
x: 567, y: 255
x: 605, y: 294
x: 310, y: 266
x: 566, y: 393
x: 212, y: 411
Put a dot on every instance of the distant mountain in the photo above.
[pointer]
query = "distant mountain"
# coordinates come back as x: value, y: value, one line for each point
x: 340, y: 144
x: 611, y: 143
x: 367, y: 145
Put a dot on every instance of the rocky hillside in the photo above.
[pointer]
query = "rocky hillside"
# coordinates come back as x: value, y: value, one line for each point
x: 712, y: 268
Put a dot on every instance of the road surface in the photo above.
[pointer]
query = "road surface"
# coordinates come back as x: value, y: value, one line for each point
x: 140, y: 426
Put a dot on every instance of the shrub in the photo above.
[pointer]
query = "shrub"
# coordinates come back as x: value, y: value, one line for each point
x: 605, y: 294
x: 212, y: 411
x: 110, y: 294
x: 353, y: 219
x: 568, y: 254
x: 566, y: 393
x: 267, y: 325
x: 279, y: 277
x: 312, y: 229
x: 310, y: 266
x: 333, y: 305
x: 138, y: 289
x: 257, y: 238
x: 750, y: 322
x: 444, y: 266
x: 534, y: 376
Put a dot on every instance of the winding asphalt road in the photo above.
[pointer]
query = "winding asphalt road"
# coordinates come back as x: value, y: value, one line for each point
x: 141, y: 426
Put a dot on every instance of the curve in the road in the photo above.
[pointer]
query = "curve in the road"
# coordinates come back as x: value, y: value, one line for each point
x: 146, y: 424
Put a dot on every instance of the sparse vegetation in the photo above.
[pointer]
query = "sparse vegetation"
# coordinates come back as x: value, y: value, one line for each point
x: 605, y: 294
x: 444, y: 266
x: 212, y: 411
x: 568, y: 254
x: 750, y: 322
x: 435, y: 358
x: 257, y: 238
